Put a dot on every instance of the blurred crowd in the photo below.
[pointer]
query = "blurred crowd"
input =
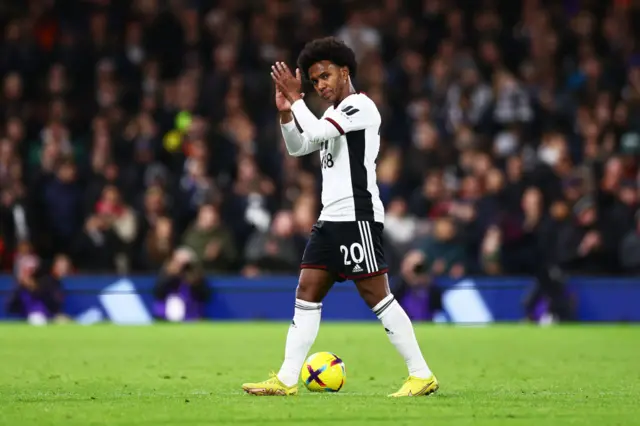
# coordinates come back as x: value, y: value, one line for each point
x: 139, y: 136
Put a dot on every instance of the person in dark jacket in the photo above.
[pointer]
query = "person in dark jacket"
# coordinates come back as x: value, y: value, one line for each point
x: 630, y: 249
x: 62, y: 205
x: 580, y: 248
x: 549, y: 295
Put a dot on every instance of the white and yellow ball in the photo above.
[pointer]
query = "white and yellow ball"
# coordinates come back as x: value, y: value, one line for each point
x: 323, y: 372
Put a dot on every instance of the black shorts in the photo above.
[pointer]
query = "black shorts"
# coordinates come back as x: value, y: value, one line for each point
x: 350, y: 250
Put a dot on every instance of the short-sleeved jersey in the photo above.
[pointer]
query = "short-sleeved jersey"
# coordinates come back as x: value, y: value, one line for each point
x: 349, y: 186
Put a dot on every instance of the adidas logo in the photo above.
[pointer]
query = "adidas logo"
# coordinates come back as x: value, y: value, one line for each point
x: 388, y: 331
x: 357, y: 268
x: 293, y: 323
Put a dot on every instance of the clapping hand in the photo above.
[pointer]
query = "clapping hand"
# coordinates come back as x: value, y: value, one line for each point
x: 287, y: 85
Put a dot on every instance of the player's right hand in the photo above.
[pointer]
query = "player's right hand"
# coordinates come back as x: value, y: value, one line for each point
x: 282, y: 103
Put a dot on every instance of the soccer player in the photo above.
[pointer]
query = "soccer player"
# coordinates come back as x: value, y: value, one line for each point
x: 346, y: 242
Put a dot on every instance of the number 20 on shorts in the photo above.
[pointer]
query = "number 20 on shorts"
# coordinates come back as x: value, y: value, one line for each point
x: 355, y: 252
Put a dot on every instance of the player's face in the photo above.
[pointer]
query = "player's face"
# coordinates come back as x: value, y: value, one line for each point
x: 329, y: 80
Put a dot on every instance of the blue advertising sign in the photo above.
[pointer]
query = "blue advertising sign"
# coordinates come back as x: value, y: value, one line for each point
x: 129, y: 300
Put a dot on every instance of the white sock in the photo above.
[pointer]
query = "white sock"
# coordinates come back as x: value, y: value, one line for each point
x: 400, y: 331
x: 302, y: 334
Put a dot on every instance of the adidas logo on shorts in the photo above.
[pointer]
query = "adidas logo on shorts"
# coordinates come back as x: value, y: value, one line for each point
x: 357, y: 268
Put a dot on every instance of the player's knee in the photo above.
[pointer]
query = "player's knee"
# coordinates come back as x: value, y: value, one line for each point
x: 304, y: 291
x: 373, y: 290
x: 371, y: 298
x: 308, y: 294
x: 312, y: 286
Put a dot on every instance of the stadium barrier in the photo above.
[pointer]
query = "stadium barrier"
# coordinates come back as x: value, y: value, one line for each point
x: 128, y: 300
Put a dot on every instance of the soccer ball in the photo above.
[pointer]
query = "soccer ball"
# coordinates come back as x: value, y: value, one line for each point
x: 323, y: 372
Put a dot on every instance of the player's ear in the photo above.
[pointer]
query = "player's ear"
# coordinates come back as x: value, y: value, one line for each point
x: 345, y: 73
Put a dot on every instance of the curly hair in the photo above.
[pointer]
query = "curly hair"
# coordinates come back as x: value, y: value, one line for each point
x: 327, y: 49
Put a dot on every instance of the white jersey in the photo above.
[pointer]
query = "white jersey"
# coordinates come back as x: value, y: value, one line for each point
x: 348, y: 138
x: 349, y: 182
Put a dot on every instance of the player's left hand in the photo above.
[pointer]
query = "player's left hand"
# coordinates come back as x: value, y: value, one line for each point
x: 285, y: 81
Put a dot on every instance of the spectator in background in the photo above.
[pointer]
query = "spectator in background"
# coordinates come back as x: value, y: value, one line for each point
x: 168, y: 106
x: 62, y: 205
x: 211, y: 241
x: 468, y: 99
x: 630, y: 249
x: 153, y: 242
x: 14, y: 222
x: 181, y: 289
x: 38, y: 296
x: 97, y: 246
x: 388, y: 174
x: 521, y: 252
x: 417, y: 290
x: 249, y: 199
x: 428, y: 199
x: 400, y: 230
x: 422, y: 300
x: 110, y: 175
x: 580, y: 241
x: 122, y: 220
x: 358, y: 34
x: 195, y: 189
x: 439, y: 254
x: 62, y: 267
x: 618, y: 218
x: 276, y: 250
x: 527, y: 253
x: 158, y: 245
x: 26, y: 259
x: 490, y: 251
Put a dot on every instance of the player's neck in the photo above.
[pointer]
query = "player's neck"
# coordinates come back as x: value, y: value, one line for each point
x: 349, y: 91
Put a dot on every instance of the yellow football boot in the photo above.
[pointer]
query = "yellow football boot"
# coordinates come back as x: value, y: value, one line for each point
x: 270, y: 387
x: 418, y: 387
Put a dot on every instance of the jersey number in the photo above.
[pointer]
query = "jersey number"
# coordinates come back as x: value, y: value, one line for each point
x: 355, y: 251
x: 327, y: 160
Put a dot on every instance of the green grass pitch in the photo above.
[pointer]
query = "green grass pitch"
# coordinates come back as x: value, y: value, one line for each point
x: 190, y: 375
